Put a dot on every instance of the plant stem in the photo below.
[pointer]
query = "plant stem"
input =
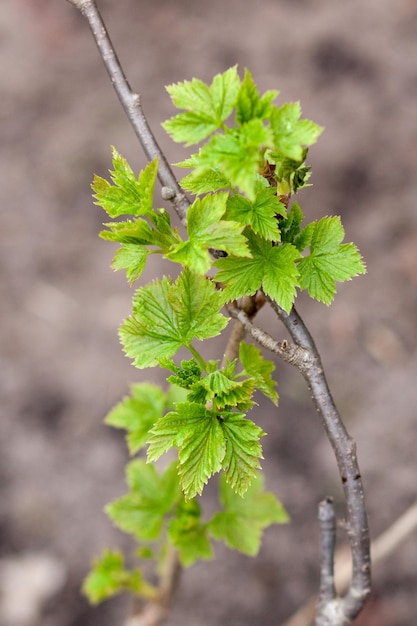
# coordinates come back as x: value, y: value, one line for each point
x: 341, y: 610
x: 131, y: 104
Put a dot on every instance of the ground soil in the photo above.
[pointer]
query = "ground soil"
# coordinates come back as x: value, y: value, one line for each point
x: 353, y: 66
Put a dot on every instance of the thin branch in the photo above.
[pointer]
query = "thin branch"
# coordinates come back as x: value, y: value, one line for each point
x: 381, y: 548
x: 155, y: 612
x: 327, y: 520
x: 250, y: 305
x: 344, y: 449
x: 131, y: 104
x: 291, y: 353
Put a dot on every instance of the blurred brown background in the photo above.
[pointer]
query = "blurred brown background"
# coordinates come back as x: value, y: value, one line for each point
x: 353, y: 66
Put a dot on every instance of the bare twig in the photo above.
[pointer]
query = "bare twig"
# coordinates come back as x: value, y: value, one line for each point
x: 156, y: 611
x: 381, y: 548
x: 131, y: 104
x: 344, y: 449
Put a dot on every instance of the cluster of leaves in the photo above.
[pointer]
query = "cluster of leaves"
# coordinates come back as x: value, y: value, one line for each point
x: 247, y: 172
x: 243, y: 177
x: 156, y: 511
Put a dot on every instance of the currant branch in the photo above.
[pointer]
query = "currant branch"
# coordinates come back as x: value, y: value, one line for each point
x: 131, y: 103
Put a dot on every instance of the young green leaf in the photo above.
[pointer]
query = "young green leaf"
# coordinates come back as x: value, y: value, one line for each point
x: 126, y: 196
x: 188, y: 534
x: 197, y: 433
x: 138, y: 413
x: 141, y: 512
x: 260, y: 214
x: 207, y: 230
x: 292, y: 135
x: 249, y: 104
x: 224, y: 390
x: 271, y: 267
x: 237, y: 154
x: 206, y: 107
x: 329, y: 260
x: 132, y: 258
x: 242, y: 522
x: 109, y: 577
x: 258, y: 368
x: 185, y: 376
x: 243, y: 451
x: 167, y: 316
x: 205, y: 180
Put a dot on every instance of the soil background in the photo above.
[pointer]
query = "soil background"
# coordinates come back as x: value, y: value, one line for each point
x: 353, y: 66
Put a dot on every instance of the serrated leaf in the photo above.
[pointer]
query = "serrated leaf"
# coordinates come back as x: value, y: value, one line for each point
x: 237, y: 154
x: 243, y: 451
x: 204, y: 181
x: 206, y: 107
x: 126, y: 195
x: 199, y: 437
x: 138, y: 413
x: 242, y: 523
x: 329, y: 260
x: 249, y: 104
x: 109, y: 577
x: 167, y: 316
x: 131, y: 258
x: 259, y: 369
x: 207, y: 230
x: 186, y: 375
x: 260, y: 214
x: 272, y: 268
x: 292, y: 135
x: 224, y: 390
x: 188, y: 534
x: 141, y: 512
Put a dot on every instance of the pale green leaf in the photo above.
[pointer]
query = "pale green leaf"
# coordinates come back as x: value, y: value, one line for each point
x: 292, y: 135
x: 243, y: 451
x: 207, y: 230
x: 126, y: 195
x: 138, y: 413
x: 261, y: 214
x: 243, y: 521
x: 206, y: 107
x: 141, y: 512
x: 272, y: 268
x: 249, y: 104
x: 259, y: 369
x: 329, y: 260
x: 167, y: 316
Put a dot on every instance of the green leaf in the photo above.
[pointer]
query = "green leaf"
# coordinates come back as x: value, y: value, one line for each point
x: 237, y: 154
x: 126, y: 196
x: 249, y: 104
x: 138, y: 413
x: 188, y: 534
x: 184, y: 376
x: 224, y: 389
x: 292, y: 135
x: 272, y: 268
x: 197, y: 433
x: 133, y: 259
x: 109, y: 577
x: 141, y: 512
x: 258, y: 368
x: 243, y: 521
x: 260, y: 214
x: 243, y: 451
x: 205, y: 180
x: 167, y: 316
x: 206, y: 107
x: 207, y: 230
x: 329, y: 260
x: 207, y: 441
